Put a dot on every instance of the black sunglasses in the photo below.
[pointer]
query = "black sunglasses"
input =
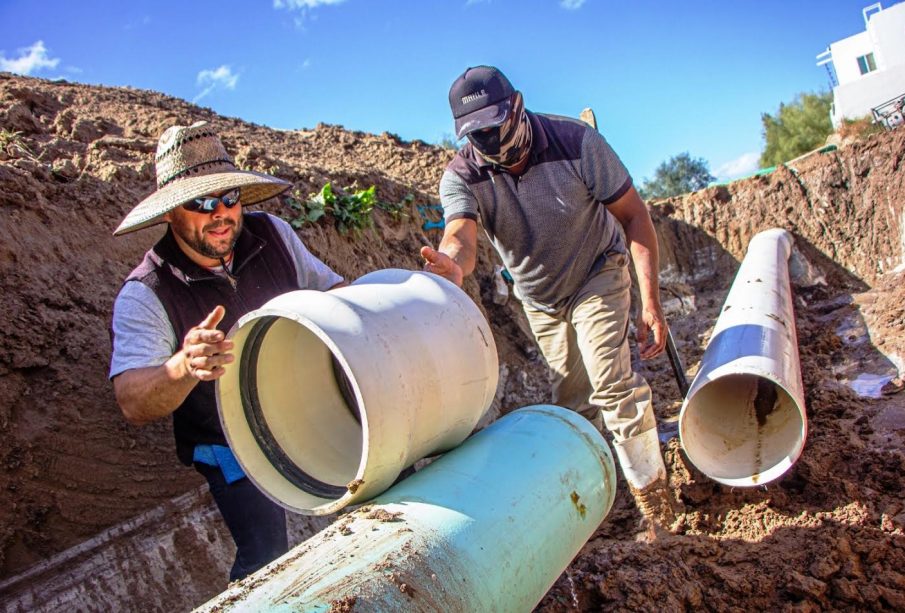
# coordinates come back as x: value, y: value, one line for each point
x: 208, y: 204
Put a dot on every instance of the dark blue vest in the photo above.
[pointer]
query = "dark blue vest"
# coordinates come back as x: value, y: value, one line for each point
x: 262, y: 268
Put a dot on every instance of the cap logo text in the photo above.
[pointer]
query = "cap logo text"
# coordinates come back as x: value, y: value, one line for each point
x: 473, y: 97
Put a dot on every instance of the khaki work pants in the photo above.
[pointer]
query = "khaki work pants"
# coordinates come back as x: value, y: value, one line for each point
x: 586, y: 347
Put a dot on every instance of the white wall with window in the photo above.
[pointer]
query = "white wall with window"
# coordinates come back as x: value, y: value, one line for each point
x: 889, y: 31
x: 846, y: 54
x: 870, y: 65
x: 867, y: 63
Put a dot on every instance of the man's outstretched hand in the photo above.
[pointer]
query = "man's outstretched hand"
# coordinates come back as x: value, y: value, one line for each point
x: 441, y: 264
x: 206, y: 349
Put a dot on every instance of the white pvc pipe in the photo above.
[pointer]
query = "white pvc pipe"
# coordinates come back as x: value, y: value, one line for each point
x: 333, y: 394
x: 743, y: 422
x: 487, y: 527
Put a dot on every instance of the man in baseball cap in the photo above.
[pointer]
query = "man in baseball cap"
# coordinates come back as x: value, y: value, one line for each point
x: 491, y: 114
x: 561, y: 210
x: 480, y: 98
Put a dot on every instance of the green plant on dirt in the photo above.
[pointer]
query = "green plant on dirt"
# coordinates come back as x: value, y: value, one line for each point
x: 7, y: 137
x: 316, y: 206
x: 350, y: 211
x: 397, y: 210
x: 353, y: 211
x: 13, y: 145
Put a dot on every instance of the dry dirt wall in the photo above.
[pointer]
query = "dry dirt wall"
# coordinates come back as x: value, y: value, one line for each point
x: 844, y: 207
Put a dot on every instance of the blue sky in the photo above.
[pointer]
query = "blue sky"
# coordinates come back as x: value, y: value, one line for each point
x: 663, y: 77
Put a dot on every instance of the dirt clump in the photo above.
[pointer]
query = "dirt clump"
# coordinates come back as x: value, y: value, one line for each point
x: 830, y: 534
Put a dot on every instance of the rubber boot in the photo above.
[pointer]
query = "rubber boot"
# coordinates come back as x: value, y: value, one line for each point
x: 644, y: 470
x: 656, y: 504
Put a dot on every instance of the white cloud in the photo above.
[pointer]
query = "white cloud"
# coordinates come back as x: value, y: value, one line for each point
x: 144, y: 21
x: 745, y: 164
x: 294, y: 5
x: 571, y: 5
x: 31, y: 59
x: 304, y: 8
x: 219, y: 78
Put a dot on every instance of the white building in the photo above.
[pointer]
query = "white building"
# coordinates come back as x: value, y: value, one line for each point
x: 867, y: 70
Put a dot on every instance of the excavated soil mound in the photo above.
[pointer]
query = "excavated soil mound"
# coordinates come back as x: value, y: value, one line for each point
x: 827, y: 535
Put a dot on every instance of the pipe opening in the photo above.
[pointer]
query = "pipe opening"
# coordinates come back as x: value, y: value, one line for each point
x: 300, y: 406
x: 345, y: 388
x: 742, y: 429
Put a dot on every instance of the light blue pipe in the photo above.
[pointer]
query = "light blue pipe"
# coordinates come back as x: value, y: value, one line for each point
x: 487, y: 527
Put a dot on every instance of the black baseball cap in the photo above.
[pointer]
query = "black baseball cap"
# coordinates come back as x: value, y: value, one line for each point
x: 480, y: 98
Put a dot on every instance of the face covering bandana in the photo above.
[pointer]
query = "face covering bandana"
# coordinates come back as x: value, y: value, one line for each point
x: 508, y: 144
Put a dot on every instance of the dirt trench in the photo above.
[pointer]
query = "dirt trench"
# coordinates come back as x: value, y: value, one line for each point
x: 828, y: 535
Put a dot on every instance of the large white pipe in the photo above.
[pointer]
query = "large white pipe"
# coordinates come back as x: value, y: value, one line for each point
x: 743, y: 422
x: 487, y: 527
x: 334, y: 393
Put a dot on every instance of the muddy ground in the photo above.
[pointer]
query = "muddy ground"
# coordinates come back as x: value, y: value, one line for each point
x: 827, y: 535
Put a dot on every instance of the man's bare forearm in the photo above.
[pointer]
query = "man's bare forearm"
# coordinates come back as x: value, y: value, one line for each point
x: 642, y: 243
x: 454, y: 258
x: 148, y: 394
x: 632, y: 213
x: 635, y: 219
x: 460, y: 242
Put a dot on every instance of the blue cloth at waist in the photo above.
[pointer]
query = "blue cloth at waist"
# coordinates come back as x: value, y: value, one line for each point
x: 218, y: 455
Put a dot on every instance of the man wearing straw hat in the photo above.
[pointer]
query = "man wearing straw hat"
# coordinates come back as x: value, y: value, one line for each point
x: 560, y: 209
x: 214, y: 264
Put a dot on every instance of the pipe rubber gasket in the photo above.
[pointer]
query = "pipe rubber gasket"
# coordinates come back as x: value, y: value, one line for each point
x: 254, y: 415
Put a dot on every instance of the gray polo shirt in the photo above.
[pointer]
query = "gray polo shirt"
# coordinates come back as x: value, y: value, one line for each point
x: 550, y: 225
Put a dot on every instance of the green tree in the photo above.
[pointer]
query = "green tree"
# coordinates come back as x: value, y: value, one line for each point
x: 797, y: 128
x: 447, y: 141
x: 678, y: 175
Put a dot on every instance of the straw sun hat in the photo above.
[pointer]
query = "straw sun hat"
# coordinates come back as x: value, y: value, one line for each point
x: 192, y: 162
